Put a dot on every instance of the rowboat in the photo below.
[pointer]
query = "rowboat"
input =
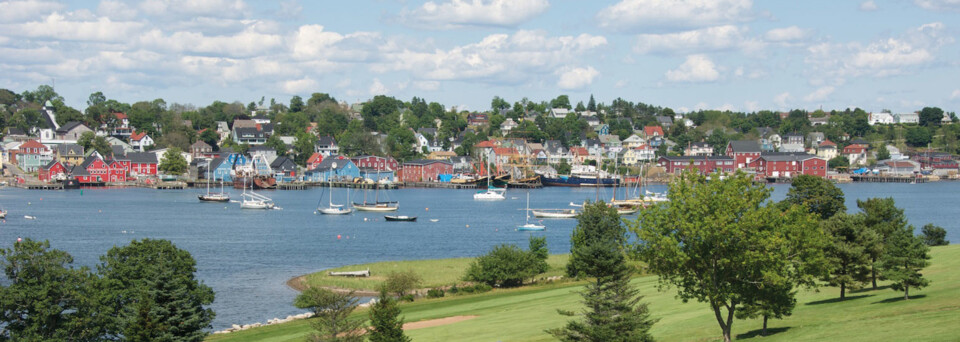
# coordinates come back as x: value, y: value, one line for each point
x: 402, y: 218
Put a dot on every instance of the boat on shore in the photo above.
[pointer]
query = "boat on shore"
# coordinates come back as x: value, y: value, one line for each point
x: 400, y: 218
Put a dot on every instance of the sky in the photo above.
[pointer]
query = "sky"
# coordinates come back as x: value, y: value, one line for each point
x: 740, y: 55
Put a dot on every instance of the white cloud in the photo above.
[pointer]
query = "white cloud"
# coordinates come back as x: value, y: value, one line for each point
x: 621, y: 83
x: 955, y: 95
x: 459, y: 13
x: 884, y: 57
x: 299, y: 86
x: 576, y: 78
x: 633, y: 15
x: 377, y: 88
x: 60, y: 27
x: 22, y: 11
x: 786, y: 34
x: 727, y: 107
x: 249, y: 42
x: 939, y: 5
x: 820, y: 94
x: 781, y: 99
x: 715, y: 38
x: 697, y: 68
x: 868, y: 6
x: 751, y: 106
x: 426, y: 85
x: 116, y: 10
x: 195, y: 8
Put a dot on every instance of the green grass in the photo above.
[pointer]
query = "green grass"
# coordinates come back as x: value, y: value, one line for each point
x: 522, y: 314
x: 435, y: 273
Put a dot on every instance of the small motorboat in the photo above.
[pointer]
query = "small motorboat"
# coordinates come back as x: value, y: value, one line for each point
x: 576, y: 205
x: 29, y: 217
x: 532, y: 227
x: 434, y: 220
x: 3, y: 214
x: 400, y: 218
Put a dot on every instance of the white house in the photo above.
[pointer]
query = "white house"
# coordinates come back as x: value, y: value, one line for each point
x: 633, y: 141
x: 508, y: 125
x: 559, y: 112
x: 140, y: 141
x: 908, y: 118
x: 880, y: 118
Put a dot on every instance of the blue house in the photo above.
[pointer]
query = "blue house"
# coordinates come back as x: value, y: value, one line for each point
x: 344, y: 170
x: 221, y: 167
x: 376, y: 175
x: 602, y: 129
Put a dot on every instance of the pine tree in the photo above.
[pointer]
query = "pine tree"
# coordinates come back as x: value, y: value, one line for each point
x: 386, y: 321
x: 905, y: 256
x: 848, y: 252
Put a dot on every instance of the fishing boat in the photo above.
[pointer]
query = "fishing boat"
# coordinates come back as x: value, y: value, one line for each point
x: 334, y: 209
x: 555, y: 213
x: 376, y: 205
x: 528, y: 227
x: 213, y: 197
x: 400, y: 218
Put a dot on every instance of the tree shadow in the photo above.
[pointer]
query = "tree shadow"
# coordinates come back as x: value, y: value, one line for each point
x: 756, y: 333
x: 868, y: 289
x: 838, y: 300
x: 898, y: 298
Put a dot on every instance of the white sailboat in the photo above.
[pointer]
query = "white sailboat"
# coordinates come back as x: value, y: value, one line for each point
x: 221, y: 197
x: 492, y: 193
x: 252, y: 200
x: 530, y: 226
x: 335, y: 209
x: 376, y: 205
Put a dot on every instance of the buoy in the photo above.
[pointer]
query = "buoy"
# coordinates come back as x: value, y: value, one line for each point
x: 427, y: 209
x: 468, y: 226
x: 28, y: 203
x: 338, y: 236
x: 100, y: 211
x: 496, y: 229
x: 19, y: 240
x: 364, y: 218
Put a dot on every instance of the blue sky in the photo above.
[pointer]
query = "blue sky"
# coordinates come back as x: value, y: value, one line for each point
x: 685, y: 54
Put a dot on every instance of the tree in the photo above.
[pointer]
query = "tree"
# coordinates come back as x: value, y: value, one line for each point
x: 918, y: 136
x: 906, y: 255
x: 848, y: 253
x: 153, y: 292
x: 592, y: 104
x: 304, y: 146
x: 817, y: 194
x: 563, y: 168
x: 596, y: 225
x: 44, y: 299
x: 296, y: 104
x: 539, y: 254
x: 884, y: 218
x: 498, y: 104
x: 507, y: 265
x: 562, y: 101
x: 931, y: 116
x: 934, y: 235
x: 402, y: 282
x: 318, y: 98
x: 882, y: 152
x: 386, y: 323
x: 331, y: 311
x: 212, y: 138
x: 613, y: 310
x: 173, y: 162
x: 838, y: 162
x: 276, y: 144
x: 717, y: 243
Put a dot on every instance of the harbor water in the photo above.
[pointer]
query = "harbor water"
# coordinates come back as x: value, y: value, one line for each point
x: 247, y: 256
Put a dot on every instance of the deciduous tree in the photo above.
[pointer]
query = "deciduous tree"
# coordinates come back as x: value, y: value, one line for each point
x: 331, y: 311
x: 173, y: 162
x: 934, y: 235
x: 402, y: 282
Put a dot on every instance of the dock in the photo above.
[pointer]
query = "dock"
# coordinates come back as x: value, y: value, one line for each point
x: 887, y: 179
x: 439, y: 185
x: 170, y: 185
x: 40, y: 186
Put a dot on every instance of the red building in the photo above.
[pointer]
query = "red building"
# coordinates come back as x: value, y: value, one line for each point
x: 743, y: 152
x: 423, y: 170
x: 781, y: 165
x: 48, y: 172
x: 376, y: 162
x: 703, y: 164
x: 314, y: 161
x: 96, y: 170
x: 143, y: 163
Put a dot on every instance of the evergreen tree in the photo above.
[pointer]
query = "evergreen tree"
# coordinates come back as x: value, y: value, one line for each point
x: 934, y: 235
x: 387, y: 325
x: 817, y: 194
x: 848, y: 253
x: 882, y: 152
x: 905, y: 256
x: 884, y: 218
x: 597, y: 224
x: 592, y: 104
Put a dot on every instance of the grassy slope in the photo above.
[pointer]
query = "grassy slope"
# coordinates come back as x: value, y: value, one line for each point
x: 435, y: 273
x: 523, y: 314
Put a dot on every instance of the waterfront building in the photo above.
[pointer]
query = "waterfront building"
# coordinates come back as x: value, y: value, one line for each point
x: 639, y: 154
x: 703, y: 164
x: 221, y: 168
x: 70, y: 153
x: 856, y: 154
x: 789, y: 165
x: 376, y: 162
x: 268, y: 153
x: 698, y: 149
x: 743, y: 152
x: 345, y: 170
x: 424, y: 170
x: 900, y: 167
x: 142, y: 163
x: 140, y: 141
x: 827, y: 150
x: 52, y: 171
x: 284, y: 169
x: 32, y: 155
x: 314, y: 160
x: 377, y: 175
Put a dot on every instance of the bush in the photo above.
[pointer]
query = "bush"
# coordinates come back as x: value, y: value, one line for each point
x: 508, y: 265
x: 402, y: 282
x: 435, y: 293
x: 407, y: 298
x: 934, y: 235
x: 454, y: 289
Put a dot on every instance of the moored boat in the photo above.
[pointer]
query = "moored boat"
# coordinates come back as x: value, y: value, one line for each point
x: 400, y: 218
x: 221, y: 197
x: 530, y: 227
x: 554, y: 213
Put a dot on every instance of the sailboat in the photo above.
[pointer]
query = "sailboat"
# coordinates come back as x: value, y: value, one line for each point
x: 335, y: 209
x: 528, y: 227
x: 492, y: 193
x: 376, y: 205
x: 252, y: 200
x: 221, y: 197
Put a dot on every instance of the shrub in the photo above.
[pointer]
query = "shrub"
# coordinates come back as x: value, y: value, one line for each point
x: 402, y: 282
x: 508, y: 265
x: 407, y: 298
x: 435, y: 293
x: 934, y: 235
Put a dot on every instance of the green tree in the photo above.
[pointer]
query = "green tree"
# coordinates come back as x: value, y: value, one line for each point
x: 296, y: 104
x: 931, y: 116
x: 562, y: 101
x: 304, y: 145
x: 539, y: 254
x: 318, y: 98
x: 613, y: 310
x: 276, y: 144
x: 918, y: 136
x: 817, y: 194
x: 377, y: 109
x: 717, y: 242
x: 838, y: 162
x: 882, y: 152
x: 848, y: 254
x: 173, y: 162
x: 498, y: 104
x: 385, y: 321
x: 592, y: 104
x: 563, y: 167
x: 45, y: 299
x: 402, y: 282
x: 507, y: 265
x: 934, y: 235
x: 906, y: 255
x: 212, y: 138
x: 331, y: 312
x: 153, y: 290
x: 884, y: 218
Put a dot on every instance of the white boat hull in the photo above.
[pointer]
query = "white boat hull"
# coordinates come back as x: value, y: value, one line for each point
x: 375, y: 208
x: 530, y: 227
x: 255, y: 205
x: 487, y: 196
x: 554, y: 214
x: 334, y: 211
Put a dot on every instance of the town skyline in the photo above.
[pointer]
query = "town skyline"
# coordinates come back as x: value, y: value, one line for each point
x: 721, y: 54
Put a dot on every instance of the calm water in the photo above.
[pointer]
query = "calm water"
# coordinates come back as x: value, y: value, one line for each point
x: 248, y: 255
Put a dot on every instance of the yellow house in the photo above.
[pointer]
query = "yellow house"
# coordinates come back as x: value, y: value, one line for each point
x: 70, y: 154
x: 441, y: 155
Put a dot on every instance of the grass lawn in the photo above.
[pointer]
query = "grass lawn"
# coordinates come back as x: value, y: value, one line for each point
x: 932, y: 314
x: 435, y: 273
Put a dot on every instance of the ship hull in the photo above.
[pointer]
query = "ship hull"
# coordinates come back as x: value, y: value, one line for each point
x: 572, y: 181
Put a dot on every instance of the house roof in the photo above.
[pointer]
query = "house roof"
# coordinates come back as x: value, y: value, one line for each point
x: 326, y: 141
x: 70, y: 149
x: 316, y: 157
x: 15, y: 131
x: 688, y: 158
x: 787, y: 156
x: 90, y: 160
x: 653, y: 130
x: 504, y: 150
x: 485, y: 144
x: 283, y: 163
x: 250, y: 132
x: 745, y: 146
x: 200, y: 145
x: 79, y: 170
x: 32, y: 144
x: 327, y: 163
x: 259, y: 148
x: 69, y: 126
x: 579, y: 150
x: 142, y: 157
x: 51, y: 164
x: 899, y: 164
x: 135, y: 136
x: 425, y: 162
x: 827, y: 142
x: 120, y: 116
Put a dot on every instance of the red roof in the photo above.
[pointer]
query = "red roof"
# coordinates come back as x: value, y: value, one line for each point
x: 120, y: 116
x: 485, y: 144
x: 855, y: 148
x: 504, y: 150
x: 137, y: 136
x: 644, y: 147
x: 827, y: 143
x: 653, y: 130
x: 579, y: 151
x: 32, y: 144
x: 899, y: 164
x: 316, y: 157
